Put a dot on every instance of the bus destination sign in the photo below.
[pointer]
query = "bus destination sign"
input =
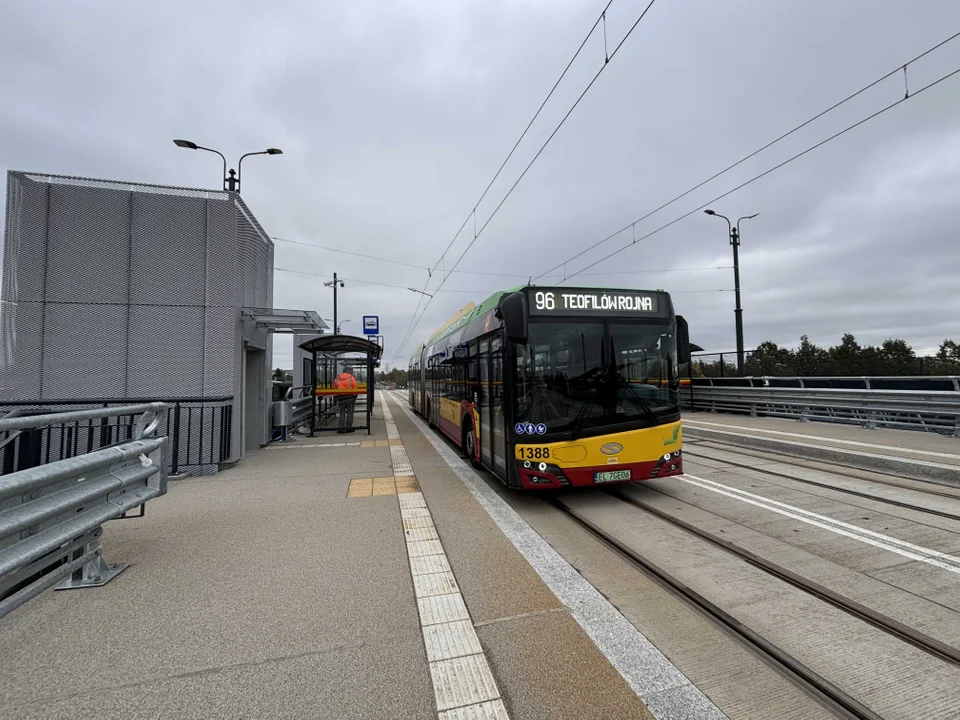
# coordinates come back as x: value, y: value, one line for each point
x: 563, y: 301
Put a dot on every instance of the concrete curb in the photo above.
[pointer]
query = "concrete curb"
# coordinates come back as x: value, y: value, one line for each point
x: 874, y: 462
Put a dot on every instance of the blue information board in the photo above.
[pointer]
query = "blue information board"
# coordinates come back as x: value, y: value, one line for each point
x: 371, y: 324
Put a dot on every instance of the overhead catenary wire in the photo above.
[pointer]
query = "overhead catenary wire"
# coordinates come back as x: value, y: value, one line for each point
x: 477, y: 233
x: 473, y: 213
x: 767, y: 172
x: 900, y: 68
x: 523, y: 135
x: 364, y: 282
x: 350, y: 252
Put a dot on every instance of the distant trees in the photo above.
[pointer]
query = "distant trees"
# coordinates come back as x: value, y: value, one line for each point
x: 397, y: 376
x: 848, y: 358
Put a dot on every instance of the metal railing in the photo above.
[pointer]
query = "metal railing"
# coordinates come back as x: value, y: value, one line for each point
x: 52, y: 515
x: 200, y: 431
x: 932, y: 411
x: 294, y: 411
x: 724, y: 364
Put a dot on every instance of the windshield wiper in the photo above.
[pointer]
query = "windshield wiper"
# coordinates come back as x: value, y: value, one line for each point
x: 581, y: 418
x: 640, y: 402
x: 621, y: 380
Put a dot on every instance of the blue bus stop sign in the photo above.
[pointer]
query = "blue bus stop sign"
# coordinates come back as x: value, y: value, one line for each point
x: 371, y: 324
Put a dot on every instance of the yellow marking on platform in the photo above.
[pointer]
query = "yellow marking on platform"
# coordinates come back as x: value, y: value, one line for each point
x: 384, y: 490
x: 396, y: 443
x: 360, y: 487
x: 383, y: 443
x: 368, y: 443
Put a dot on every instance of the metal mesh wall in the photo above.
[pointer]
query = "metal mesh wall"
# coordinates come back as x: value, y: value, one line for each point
x: 119, y: 290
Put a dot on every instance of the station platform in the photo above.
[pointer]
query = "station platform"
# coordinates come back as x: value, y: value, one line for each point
x: 340, y: 576
x: 911, y: 453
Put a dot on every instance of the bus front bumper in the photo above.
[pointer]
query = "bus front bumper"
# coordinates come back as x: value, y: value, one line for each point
x: 540, y: 476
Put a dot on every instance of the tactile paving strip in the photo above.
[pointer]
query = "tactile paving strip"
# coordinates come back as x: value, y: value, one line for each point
x: 400, y: 461
x: 463, y: 684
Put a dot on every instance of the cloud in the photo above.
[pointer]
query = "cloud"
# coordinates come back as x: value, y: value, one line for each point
x: 393, y: 117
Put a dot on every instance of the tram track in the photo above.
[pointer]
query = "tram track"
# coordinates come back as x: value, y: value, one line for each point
x: 847, y: 491
x: 927, y: 487
x: 918, y: 639
x: 839, y: 701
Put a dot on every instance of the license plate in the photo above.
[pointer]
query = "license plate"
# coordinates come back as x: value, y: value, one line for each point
x: 611, y: 476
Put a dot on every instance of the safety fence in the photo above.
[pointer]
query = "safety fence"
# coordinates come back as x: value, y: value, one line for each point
x: 871, y: 406
x: 200, y: 431
x: 295, y: 411
x: 52, y: 514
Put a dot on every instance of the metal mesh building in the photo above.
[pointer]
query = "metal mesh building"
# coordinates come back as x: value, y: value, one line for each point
x: 118, y: 290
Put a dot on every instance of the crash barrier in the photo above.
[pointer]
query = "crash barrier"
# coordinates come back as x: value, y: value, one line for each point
x: 52, y: 515
x: 293, y: 412
x: 928, y: 410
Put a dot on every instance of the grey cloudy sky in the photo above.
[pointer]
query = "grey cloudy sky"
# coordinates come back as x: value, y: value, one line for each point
x: 393, y: 116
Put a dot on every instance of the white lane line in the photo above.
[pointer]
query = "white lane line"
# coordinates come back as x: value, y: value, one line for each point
x: 666, y: 691
x: 722, y: 426
x: 885, y: 542
x: 463, y: 685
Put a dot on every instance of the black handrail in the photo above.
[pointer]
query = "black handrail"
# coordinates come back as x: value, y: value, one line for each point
x: 199, y: 442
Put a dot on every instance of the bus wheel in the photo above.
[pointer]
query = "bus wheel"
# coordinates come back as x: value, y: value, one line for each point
x: 470, y: 443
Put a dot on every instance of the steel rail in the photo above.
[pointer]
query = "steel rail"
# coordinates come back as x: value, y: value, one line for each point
x: 817, y: 686
x: 848, y: 491
x: 918, y: 639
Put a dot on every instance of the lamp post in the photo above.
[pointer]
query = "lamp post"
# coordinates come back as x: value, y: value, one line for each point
x: 338, y: 330
x: 231, y: 179
x: 734, y: 231
x: 333, y: 284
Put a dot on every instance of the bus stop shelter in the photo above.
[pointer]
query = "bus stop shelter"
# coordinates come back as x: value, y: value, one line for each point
x: 331, y: 354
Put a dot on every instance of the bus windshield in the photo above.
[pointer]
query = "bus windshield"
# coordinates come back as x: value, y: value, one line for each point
x: 579, y: 377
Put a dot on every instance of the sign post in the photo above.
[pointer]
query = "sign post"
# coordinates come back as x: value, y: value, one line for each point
x: 371, y: 324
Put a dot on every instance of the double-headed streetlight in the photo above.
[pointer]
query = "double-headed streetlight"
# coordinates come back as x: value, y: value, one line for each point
x: 734, y: 231
x: 333, y: 284
x: 337, y: 328
x: 231, y: 179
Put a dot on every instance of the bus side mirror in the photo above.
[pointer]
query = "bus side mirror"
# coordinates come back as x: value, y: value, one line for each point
x: 512, y: 310
x: 683, y: 341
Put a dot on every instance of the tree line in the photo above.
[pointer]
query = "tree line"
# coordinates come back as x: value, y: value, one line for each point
x: 848, y: 358
x: 397, y: 376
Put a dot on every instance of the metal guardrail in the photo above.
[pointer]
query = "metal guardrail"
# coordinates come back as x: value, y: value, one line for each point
x: 200, y: 431
x: 932, y: 411
x: 293, y: 412
x: 949, y: 383
x: 52, y: 515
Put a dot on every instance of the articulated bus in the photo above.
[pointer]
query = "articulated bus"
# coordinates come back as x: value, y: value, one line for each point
x: 557, y: 387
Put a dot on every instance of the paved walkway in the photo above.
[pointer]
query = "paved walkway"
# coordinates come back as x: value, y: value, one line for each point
x: 282, y: 588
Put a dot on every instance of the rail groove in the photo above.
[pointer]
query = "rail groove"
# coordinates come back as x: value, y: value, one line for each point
x: 819, y: 687
x: 857, y: 493
x: 894, y: 627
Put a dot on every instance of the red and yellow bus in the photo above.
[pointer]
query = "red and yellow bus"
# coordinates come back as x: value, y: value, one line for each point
x: 557, y: 387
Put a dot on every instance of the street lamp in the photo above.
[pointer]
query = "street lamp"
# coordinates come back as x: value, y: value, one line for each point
x: 231, y: 179
x: 337, y: 327
x: 734, y: 231
x: 333, y: 284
